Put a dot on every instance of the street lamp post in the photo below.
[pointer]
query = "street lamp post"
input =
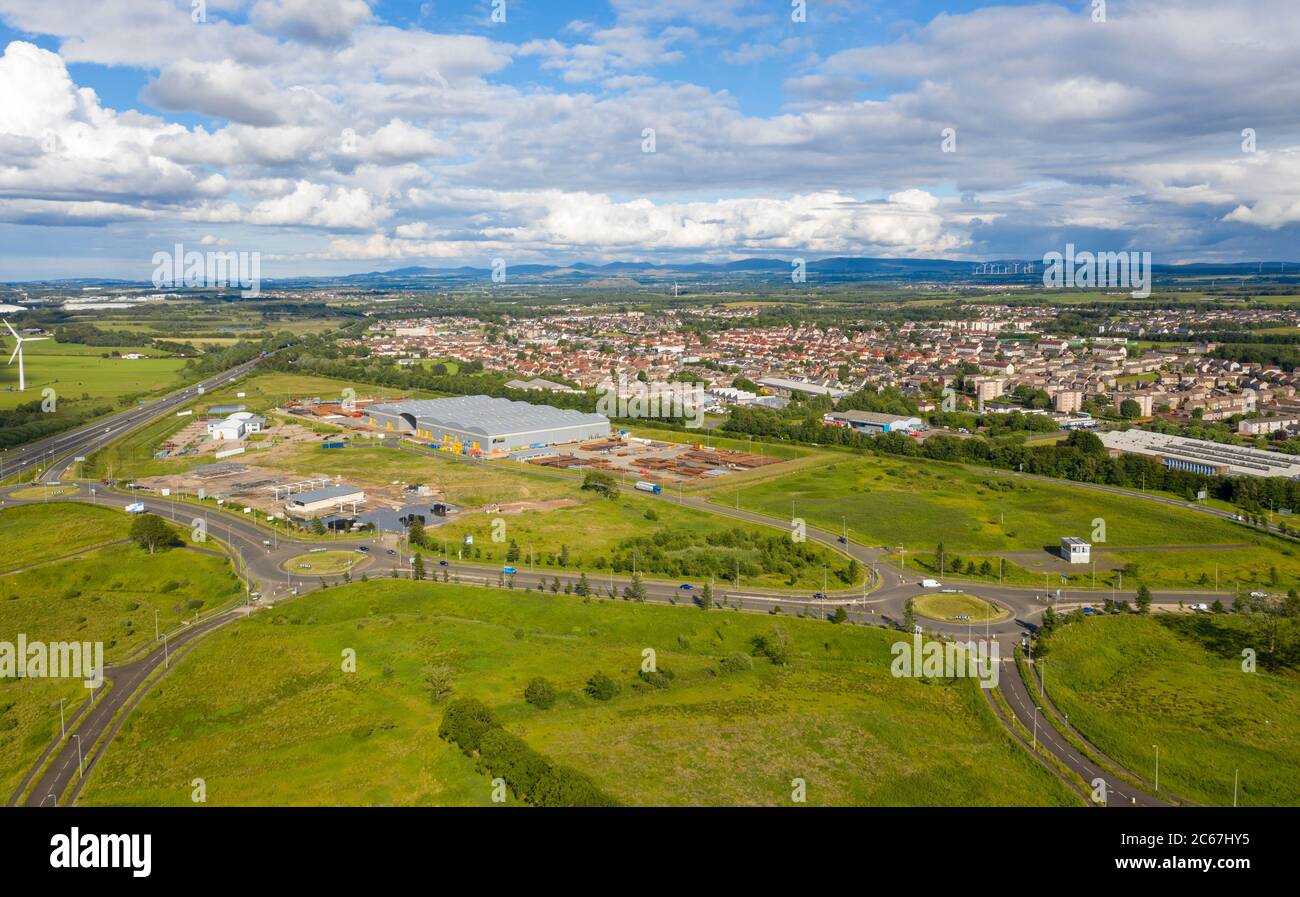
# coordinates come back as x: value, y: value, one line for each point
x: 80, y: 769
x: 63, y: 731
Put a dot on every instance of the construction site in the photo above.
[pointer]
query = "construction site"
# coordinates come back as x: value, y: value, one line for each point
x: 647, y: 459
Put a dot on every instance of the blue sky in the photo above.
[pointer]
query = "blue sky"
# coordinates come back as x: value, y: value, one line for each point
x: 346, y: 135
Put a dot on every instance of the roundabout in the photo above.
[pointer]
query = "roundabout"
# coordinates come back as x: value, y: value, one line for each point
x: 959, y: 607
x: 331, y: 562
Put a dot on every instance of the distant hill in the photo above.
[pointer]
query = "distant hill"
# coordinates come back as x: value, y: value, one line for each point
x: 833, y: 269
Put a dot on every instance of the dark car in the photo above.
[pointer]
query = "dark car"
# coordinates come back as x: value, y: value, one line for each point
x: 820, y: 596
x: 686, y: 587
x: 442, y: 563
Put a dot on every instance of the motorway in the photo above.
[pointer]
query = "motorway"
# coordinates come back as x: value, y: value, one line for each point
x: 63, y: 448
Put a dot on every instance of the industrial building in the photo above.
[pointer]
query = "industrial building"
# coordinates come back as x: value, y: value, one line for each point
x: 327, y: 500
x: 482, y: 425
x: 235, y: 427
x: 1201, y: 455
x: 784, y: 386
x: 873, y: 422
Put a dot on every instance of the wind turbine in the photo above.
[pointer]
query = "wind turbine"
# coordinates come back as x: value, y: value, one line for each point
x: 18, y: 353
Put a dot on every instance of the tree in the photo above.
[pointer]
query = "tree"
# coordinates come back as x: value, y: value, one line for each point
x: 583, y: 587
x: 840, y: 615
x: 438, y: 678
x: 706, y: 596
x: 909, y: 614
x: 150, y: 532
x: 512, y: 552
x: 415, y: 532
x: 1130, y: 409
x: 637, y: 591
x: 1143, y: 599
x: 417, y: 566
x: 601, y: 482
x: 540, y: 693
x: 564, y: 555
x: 317, y: 527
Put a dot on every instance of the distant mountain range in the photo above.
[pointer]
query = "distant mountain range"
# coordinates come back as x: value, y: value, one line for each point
x: 837, y: 269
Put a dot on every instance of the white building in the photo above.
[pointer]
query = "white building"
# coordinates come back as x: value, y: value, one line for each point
x: 1076, y: 551
x: 235, y: 427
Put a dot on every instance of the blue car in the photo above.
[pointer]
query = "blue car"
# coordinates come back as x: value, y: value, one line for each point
x: 509, y: 570
x: 686, y: 587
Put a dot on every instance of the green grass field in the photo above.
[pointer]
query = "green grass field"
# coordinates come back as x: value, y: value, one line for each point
x: 947, y: 608
x: 75, y: 371
x: 598, y: 528
x: 1131, y: 682
x: 323, y: 563
x: 33, y: 534
x: 106, y: 594
x: 290, y: 727
x: 918, y: 504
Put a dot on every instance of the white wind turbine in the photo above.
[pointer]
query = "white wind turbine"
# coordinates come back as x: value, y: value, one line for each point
x: 18, y: 353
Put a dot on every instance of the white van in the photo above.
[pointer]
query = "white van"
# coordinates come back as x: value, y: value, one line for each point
x: 930, y: 584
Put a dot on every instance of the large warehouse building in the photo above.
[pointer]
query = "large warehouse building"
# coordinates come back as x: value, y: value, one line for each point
x: 484, y: 425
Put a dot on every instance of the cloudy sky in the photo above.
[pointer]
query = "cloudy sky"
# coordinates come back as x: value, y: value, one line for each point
x: 352, y: 135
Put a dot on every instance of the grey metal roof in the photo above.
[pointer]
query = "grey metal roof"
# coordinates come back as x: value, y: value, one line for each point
x: 325, y: 494
x: 490, y: 415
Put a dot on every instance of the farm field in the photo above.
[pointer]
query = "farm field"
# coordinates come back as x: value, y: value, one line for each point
x: 293, y: 728
x: 918, y: 504
x: 107, y: 594
x: 75, y: 371
x: 1131, y: 682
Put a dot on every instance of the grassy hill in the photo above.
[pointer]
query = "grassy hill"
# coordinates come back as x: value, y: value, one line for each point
x: 103, y: 594
x: 918, y: 504
x: 1131, y: 682
x: 265, y: 714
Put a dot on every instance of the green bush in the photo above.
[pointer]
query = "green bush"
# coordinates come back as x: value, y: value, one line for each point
x: 735, y: 663
x: 602, y: 688
x: 540, y: 693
